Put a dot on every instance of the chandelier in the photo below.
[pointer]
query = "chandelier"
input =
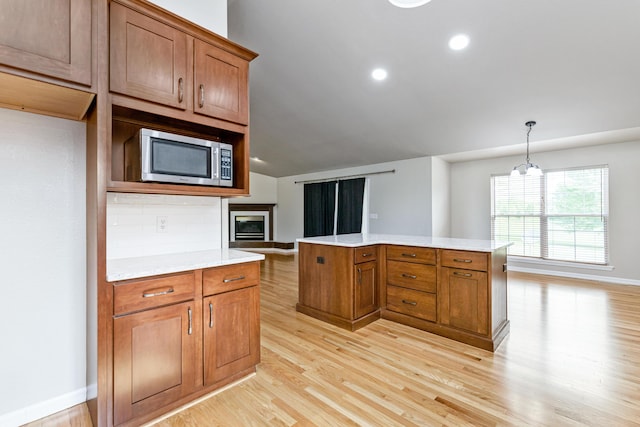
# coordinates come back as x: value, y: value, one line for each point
x: 527, y: 168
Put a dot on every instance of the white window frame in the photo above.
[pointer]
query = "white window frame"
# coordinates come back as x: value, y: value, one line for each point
x: 544, y: 217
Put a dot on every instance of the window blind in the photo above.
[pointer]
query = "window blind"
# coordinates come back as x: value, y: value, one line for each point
x: 561, y: 215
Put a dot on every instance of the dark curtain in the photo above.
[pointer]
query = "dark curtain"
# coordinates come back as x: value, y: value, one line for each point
x: 319, y: 208
x: 350, y: 198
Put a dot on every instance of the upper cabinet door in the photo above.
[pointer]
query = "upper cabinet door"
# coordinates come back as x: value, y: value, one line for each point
x: 49, y: 37
x: 148, y: 59
x: 220, y: 88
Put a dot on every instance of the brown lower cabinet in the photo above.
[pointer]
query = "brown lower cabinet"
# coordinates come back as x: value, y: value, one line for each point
x: 154, y: 359
x: 182, y: 335
x: 339, y: 284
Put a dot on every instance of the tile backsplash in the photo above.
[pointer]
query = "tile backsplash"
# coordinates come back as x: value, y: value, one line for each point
x: 153, y: 224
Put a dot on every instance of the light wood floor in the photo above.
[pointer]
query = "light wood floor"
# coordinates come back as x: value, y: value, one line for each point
x: 572, y: 359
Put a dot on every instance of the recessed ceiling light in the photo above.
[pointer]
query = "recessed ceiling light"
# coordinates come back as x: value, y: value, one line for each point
x: 379, y: 74
x: 408, y: 3
x: 459, y: 42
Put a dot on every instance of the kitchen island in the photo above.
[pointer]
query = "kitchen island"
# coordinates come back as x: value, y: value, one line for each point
x: 456, y: 288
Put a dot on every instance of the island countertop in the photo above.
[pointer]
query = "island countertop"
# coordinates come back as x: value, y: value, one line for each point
x: 136, y: 267
x: 365, y: 239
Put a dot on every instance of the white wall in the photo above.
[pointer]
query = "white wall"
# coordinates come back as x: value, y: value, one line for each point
x: 440, y: 198
x: 401, y: 201
x: 42, y: 260
x: 263, y: 189
x: 471, y: 197
x: 210, y: 14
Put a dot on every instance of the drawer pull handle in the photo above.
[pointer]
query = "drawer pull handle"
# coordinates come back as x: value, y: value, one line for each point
x: 457, y: 273
x: 201, y: 103
x: 190, y: 330
x: 210, y: 315
x: 409, y: 276
x: 462, y: 260
x: 233, y: 279
x: 404, y: 301
x: 366, y: 255
x: 180, y: 90
x: 410, y: 255
x: 149, y: 294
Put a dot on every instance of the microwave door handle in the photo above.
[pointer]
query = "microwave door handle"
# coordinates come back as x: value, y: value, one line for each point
x: 216, y: 163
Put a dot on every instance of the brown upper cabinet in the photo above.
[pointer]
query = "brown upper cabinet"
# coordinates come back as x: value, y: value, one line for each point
x: 157, y: 61
x: 48, y: 37
x: 148, y: 59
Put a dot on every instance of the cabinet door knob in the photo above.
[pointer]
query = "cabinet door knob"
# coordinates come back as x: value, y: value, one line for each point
x: 360, y: 276
x: 180, y: 90
x: 201, y: 103
x: 190, y: 329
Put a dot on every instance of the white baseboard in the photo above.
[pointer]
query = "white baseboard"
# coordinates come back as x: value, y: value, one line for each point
x: 43, y: 409
x: 572, y: 275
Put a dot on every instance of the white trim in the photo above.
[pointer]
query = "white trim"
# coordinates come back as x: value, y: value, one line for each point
x: 578, y: 265
x: 43, y: 409
x: 608, y: 279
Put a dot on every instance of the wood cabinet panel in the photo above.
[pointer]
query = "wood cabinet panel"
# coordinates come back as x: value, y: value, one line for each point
x: 366, y: 254
x: 414, y: 303
x: 325, y: 279
x: 365, y: 289
x: 464, y: 300
x: 154, y: 359
x: 411, y: 254
x: 220, y: 88
x: 231, y: 333
x: 138, y: 295
x: 48, y: 37
x: 410, y: 275
x: 464, y: 259
x: 148, y: 59
x: 230, y: 277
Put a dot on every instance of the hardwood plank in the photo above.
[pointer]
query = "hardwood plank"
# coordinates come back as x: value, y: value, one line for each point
x: 572, y: 359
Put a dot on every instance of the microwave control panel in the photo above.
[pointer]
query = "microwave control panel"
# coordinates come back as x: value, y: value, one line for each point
x: 226, y: 161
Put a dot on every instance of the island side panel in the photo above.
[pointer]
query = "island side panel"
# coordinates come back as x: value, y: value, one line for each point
x: 325, y: 279
x: 498, y: 283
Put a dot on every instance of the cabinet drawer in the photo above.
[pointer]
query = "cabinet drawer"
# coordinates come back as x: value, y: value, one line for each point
x: 409, y: 275
x: 464, y: 259
x: 365, y: 254
x: 229, y: 277
x: 412, y: 254
x: 152, y: 292
x: 414, y: 303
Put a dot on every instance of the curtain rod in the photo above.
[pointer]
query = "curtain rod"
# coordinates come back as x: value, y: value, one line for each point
x: 344, y: 177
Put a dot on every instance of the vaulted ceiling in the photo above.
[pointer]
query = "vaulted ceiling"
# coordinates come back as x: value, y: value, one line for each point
x: 571, y: 65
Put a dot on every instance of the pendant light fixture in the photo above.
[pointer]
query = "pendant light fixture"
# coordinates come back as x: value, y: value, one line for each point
x: 527, y: 168
x: 408, y: 3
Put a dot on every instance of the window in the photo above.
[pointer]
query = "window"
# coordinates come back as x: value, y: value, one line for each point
x: 562, y: 215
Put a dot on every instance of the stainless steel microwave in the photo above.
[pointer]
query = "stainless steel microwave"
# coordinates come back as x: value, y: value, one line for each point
x: 156, y: 156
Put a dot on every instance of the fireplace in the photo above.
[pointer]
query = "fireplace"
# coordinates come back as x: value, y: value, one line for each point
x: 250, y: 222
x: 249, y: 227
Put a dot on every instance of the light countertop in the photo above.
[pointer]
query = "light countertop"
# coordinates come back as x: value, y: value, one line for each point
x: 133, y: 268
x: 356, y: 240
